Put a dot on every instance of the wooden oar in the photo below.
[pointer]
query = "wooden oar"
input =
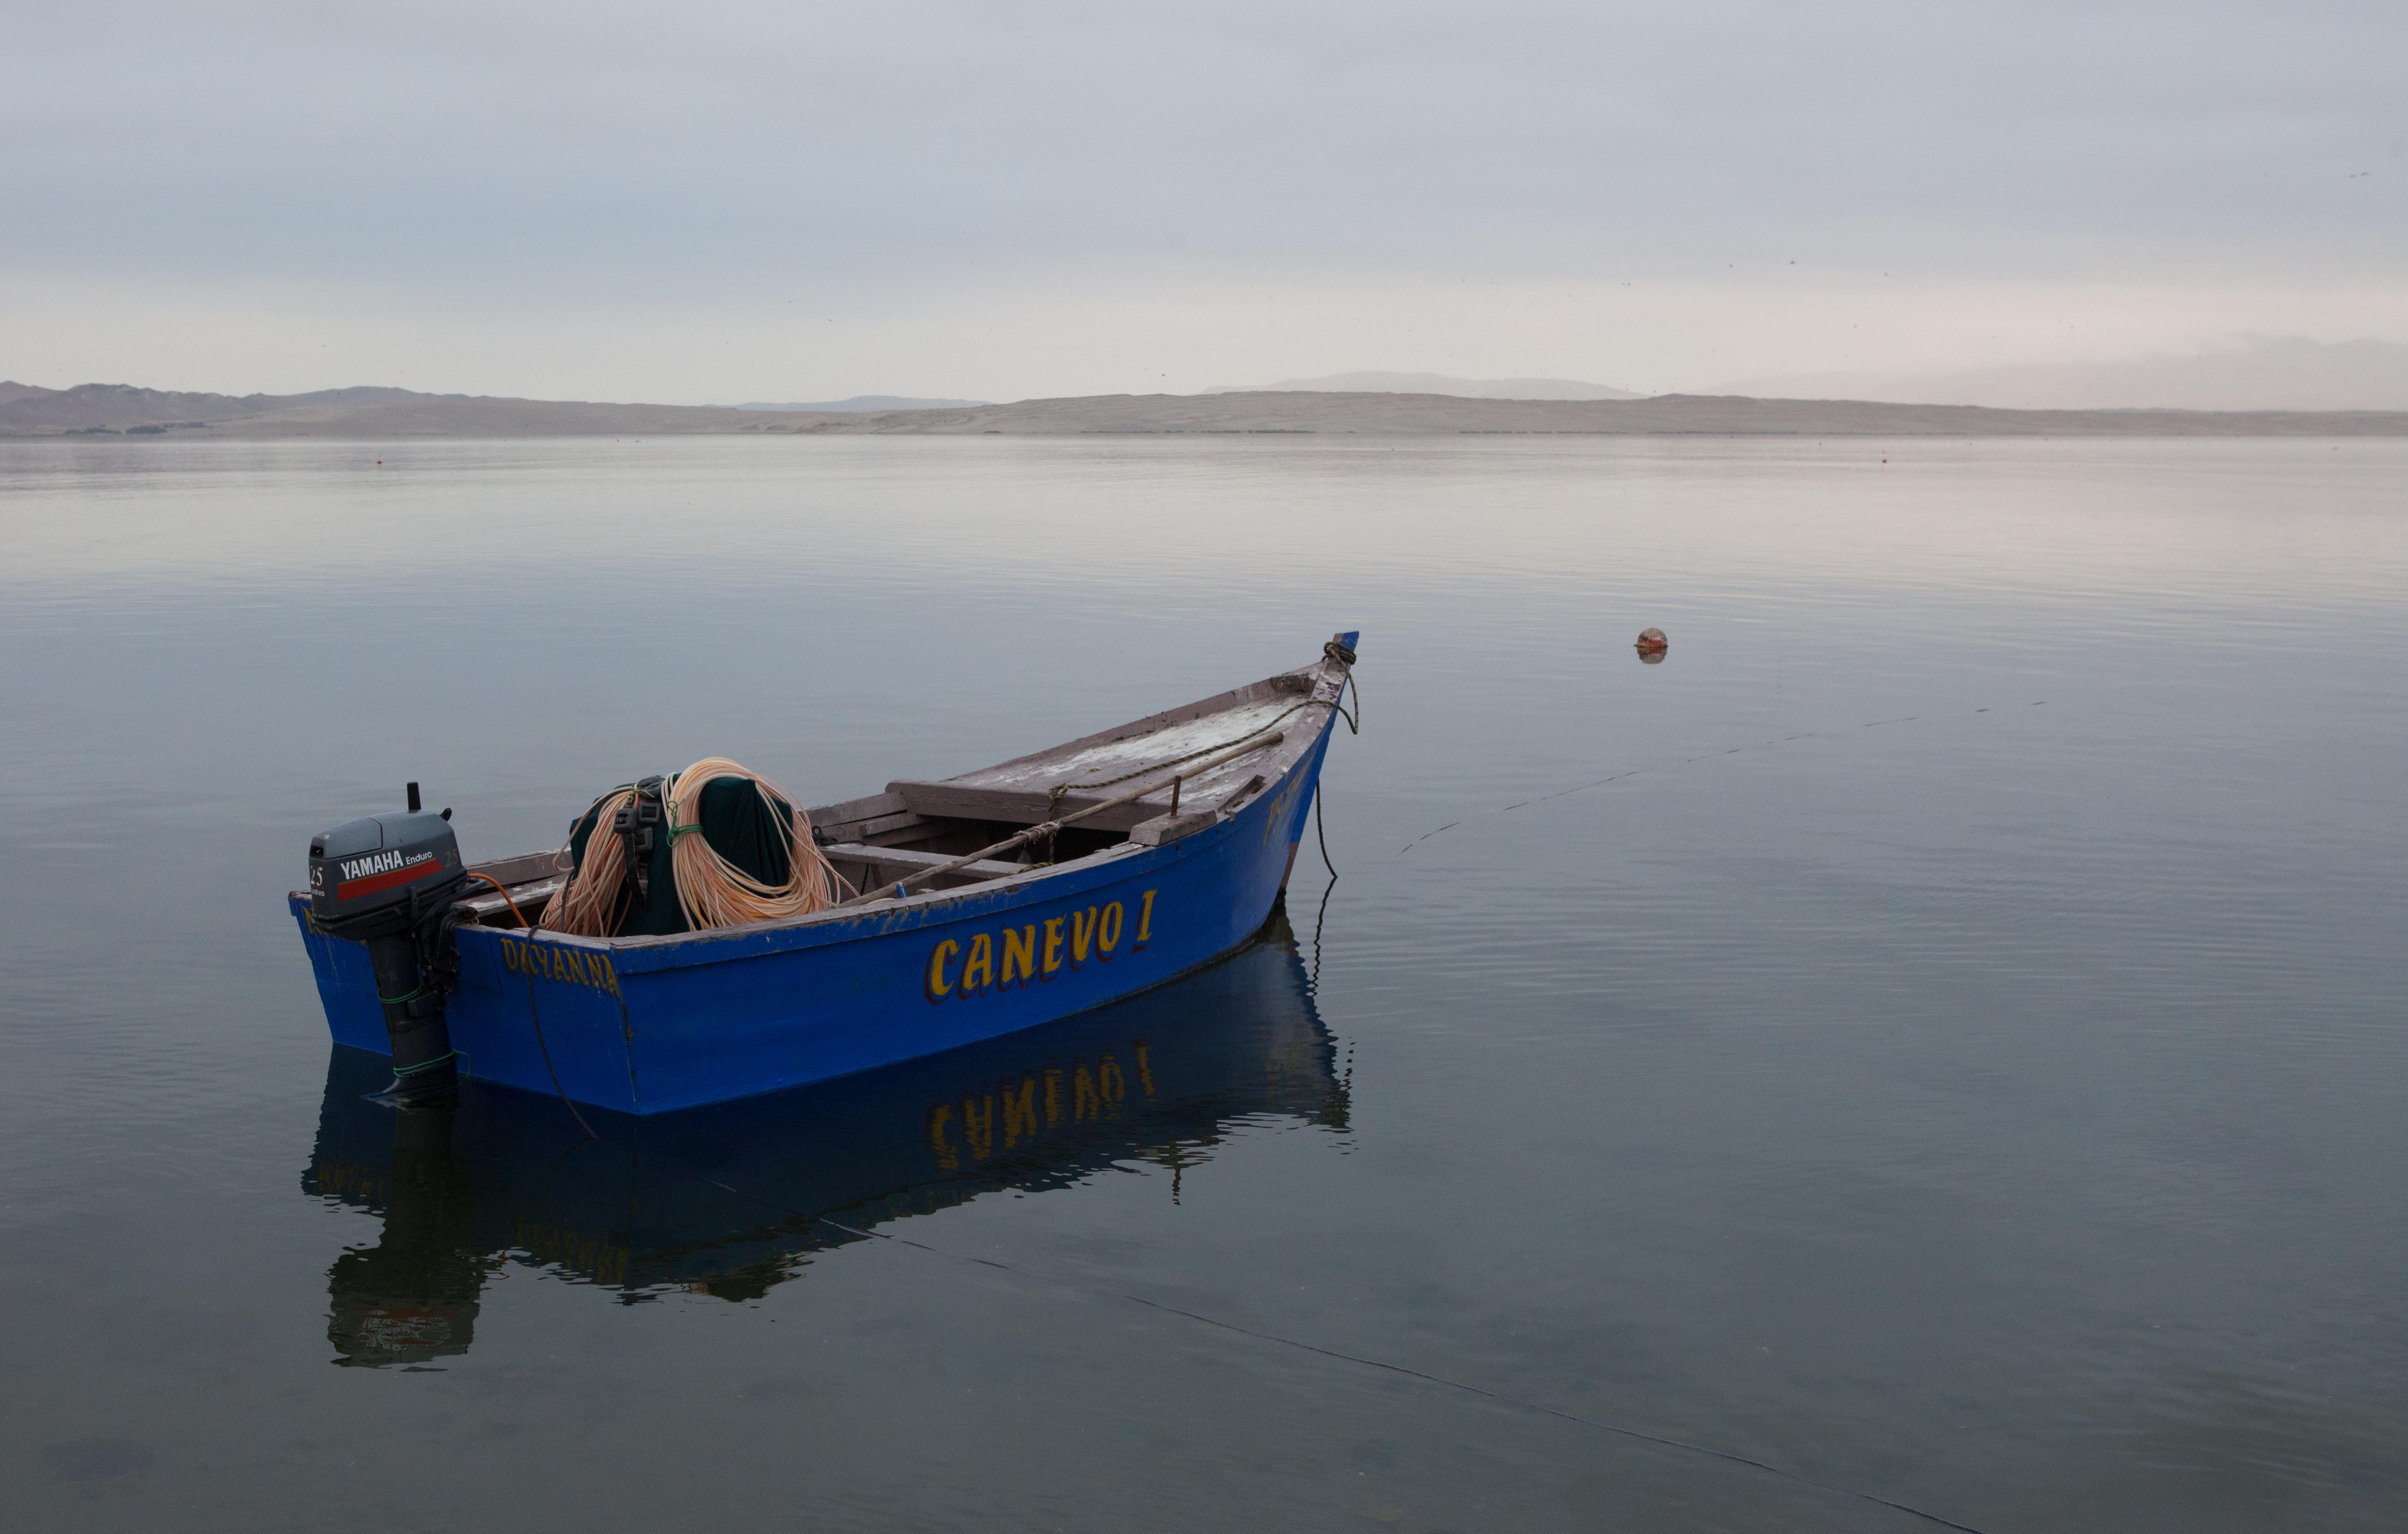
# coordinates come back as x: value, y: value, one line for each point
x: 897, y: 890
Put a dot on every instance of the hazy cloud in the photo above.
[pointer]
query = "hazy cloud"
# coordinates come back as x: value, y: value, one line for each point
x: 1116, y: 166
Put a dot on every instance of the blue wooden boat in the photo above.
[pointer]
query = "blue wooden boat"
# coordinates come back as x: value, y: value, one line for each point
x: 1177, y: 834
x: 734, y: 1199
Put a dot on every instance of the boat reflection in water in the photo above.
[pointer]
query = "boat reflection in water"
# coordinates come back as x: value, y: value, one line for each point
x: 730, y: 1199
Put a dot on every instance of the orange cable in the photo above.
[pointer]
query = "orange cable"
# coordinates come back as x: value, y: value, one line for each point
x: 506, y: 897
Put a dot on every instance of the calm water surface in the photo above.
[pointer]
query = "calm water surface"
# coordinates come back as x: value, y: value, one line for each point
x: 1940, y: 1034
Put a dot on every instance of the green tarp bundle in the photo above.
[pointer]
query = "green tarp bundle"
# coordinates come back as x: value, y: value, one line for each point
x: 739, y: 820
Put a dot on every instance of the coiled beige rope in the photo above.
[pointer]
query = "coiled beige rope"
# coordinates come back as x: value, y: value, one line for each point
x: 583, y: 906
x: 711, y: 890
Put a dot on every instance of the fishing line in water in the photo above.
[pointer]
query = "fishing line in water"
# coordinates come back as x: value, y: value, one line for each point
x: 1657, y: 766
x: 1725, y: 1456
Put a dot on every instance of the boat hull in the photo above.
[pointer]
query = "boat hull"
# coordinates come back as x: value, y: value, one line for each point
x: 652, y: 1024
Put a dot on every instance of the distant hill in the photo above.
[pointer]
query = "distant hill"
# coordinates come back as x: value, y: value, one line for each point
x: 1433, y: 383
x: 120, y: 411
x: 2255, y: 373
x: 89, y: 405
x: 868, y: 402
x: 1312, y: 412
x: 29, y: 408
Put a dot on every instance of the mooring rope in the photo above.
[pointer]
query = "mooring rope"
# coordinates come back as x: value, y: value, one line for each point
x: 1313, y: 981
x: 545, y: 1050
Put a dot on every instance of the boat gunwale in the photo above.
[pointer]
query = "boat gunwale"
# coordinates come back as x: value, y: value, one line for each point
x: 839, y: 923
x: 919, y: 900
x: 1229, y: 700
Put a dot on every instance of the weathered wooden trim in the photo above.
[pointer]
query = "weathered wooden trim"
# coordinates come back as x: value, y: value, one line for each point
x: 524, y: 868
x: 1230, y: 801
x: 849, y: 811
x: 1296, y: 684
x: 958, y: 800
x: 1168, y: 828
x: 1171, y: 827
x: 529, y: 898
x: 906, y: 827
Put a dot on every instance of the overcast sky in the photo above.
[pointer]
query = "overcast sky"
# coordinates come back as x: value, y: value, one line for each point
x: 737, y: 201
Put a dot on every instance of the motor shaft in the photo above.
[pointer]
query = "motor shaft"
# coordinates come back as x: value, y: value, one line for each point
x: 423, y: 1065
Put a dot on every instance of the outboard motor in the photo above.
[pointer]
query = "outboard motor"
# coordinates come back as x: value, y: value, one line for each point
x: 389, y: 882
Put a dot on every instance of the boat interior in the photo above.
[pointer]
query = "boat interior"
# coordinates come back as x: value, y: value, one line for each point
x: 916, y: 825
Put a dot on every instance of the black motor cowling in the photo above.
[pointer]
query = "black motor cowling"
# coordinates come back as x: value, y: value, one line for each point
x: 389, y: 882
